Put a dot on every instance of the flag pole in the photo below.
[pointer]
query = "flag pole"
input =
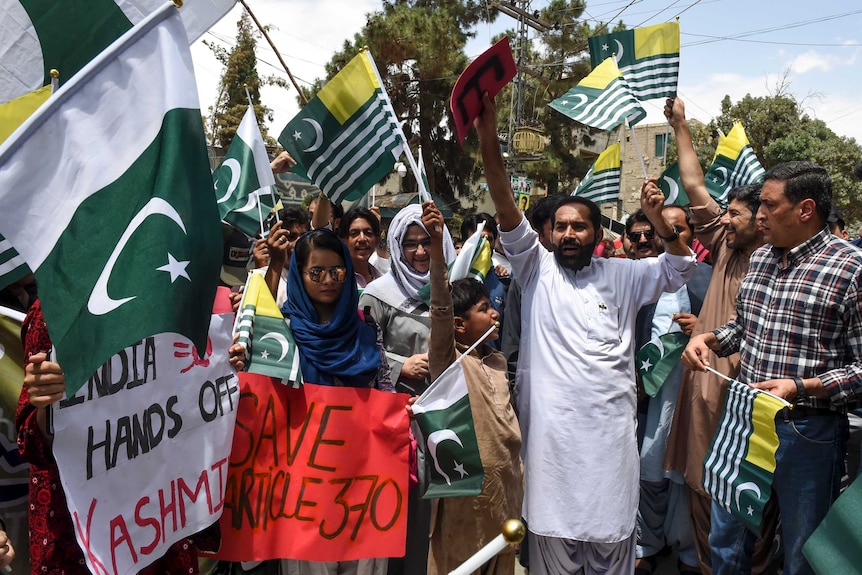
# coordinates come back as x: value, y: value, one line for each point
x: 731, y: 380
x: 513, y: 533
x: 638, y: 148
x: 259, y: 209
x: 459, y: 358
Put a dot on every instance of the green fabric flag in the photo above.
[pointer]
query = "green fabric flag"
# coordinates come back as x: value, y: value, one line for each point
x: 121, y: 228
x: 671, y: 184
x: 657, y: 359
x: 347, y: 138
x: 836, y: 544
x: 446, y: 420
x: 244, y: 180
x: 738, y: 469
x: 601, y: 100
x: 601, y: 184
x: 647, y: 57
x: 735, y: 164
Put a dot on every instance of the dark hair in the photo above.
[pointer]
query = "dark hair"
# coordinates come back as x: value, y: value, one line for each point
x: 337, y: 211
x: 471, y: 224
x: 636, y: 218
x: 543, y: 211
x: 686, y: 212
x: 358, y: 213
x: 748, y: 194
x: 595, y: 212
x: 466, y: 293
x: 292, y: 216
x: 319, y: 239
x: 803, y: 181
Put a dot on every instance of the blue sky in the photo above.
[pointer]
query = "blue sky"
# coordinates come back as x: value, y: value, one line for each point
x: 731, y: 47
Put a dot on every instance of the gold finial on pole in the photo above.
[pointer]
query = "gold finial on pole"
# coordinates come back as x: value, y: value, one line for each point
x: 514, y: 531
x: 54, y: 73
x: 178, y: 3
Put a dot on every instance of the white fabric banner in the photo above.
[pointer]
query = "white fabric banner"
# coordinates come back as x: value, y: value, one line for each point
x: 143, y: 448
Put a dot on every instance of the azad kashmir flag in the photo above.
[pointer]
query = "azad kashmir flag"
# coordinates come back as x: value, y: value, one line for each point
x: 734, y: 165
x: 737, y: 470
x: 244, y: 172
x: 658, y: 358
x: 473, y: 261
x: 14, y: 112
x: 602, y: 182
x: 12, y: 265
x: 601, y: 100
x: 269, y: 345
x: 446, y: 420
x: 671, y: 186
x: 120, y: 228
x: 347, y: 138
x: 38, y: 35
x: 836, y: 544
x: 647, y: 57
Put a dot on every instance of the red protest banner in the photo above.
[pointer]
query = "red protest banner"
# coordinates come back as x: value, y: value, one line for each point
x: 318, y: 474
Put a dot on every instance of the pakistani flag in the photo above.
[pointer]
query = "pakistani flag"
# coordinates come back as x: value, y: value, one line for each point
x: 244, y: 179
x: 269, y: 345
x: 734, y: 165
x: 737, y: 471
x: 602, y: 182
x: 657, y: 358
x: 444, y: 416
x: 12, y: 265
x: 120, y: 228
x: 836, y: 545
x: 671, y: 184
x: 601, y: 100
x: 347, y: 138
x: 647, y: 57
x: 38, y: 35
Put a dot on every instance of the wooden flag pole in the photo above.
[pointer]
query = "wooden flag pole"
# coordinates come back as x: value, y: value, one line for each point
x: 274, y: 49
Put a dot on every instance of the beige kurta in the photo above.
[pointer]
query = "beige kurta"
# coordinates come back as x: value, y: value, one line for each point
x: 462, y: 525
x: 701, y: 394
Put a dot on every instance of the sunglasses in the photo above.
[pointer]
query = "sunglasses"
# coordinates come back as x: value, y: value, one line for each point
x: 411, y: 246
x: 337, y: 274
x: 636, y: 236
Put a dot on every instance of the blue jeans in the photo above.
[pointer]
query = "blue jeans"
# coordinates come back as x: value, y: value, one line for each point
x: 809, y: 466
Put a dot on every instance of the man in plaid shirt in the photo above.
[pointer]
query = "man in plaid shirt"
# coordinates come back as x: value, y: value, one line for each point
x: 798, y: 331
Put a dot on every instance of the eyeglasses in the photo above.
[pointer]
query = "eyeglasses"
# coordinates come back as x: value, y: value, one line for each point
x: 337, y: 274
x: 410, y: 246
x: 636, y: 236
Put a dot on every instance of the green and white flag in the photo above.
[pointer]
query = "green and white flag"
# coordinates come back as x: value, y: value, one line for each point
x: 648, y: 58
x: 735, y: 164
x: 671, y: 184
x: 656, y: 360
x: 269, y: 346
x: 12, y: 265
x: 347, y: 138
x: 424, y: 188
x: 602, y: 182
x: 602, y: 100
x: 121, y: 227
x: 38, y: 35
x: 737, y: 471
x: 836, y: 544
x: 444, y: 416
x: 244, y: 180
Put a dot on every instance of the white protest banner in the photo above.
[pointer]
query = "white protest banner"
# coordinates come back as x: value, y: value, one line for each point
x: 143, y: 447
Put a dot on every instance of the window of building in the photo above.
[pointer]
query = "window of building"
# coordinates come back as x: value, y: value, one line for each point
x: 660, y: 143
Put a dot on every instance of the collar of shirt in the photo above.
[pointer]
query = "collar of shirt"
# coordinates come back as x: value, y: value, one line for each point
x: 813, y: 245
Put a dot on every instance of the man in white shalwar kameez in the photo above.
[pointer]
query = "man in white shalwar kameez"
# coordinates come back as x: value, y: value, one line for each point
x: 577, y: 397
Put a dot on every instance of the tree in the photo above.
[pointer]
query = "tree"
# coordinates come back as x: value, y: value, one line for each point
x: 240, y: 72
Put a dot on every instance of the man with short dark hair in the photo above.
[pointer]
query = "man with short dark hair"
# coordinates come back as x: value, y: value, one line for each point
x: 641, y: 234
x: 798, y: 331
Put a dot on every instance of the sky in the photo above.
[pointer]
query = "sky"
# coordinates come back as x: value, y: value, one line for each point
x: 728, y: 47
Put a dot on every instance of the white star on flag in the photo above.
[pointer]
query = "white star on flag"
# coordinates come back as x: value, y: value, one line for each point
x: 750, y: 511
x: 646, y: 365
x: 264, y: 354
x: 605, y: 47
x: 297, y: 135
x: 175, y: 268
x: 459, y: 467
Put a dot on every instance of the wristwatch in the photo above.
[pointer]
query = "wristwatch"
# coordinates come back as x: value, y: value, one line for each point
x: 673, y: 237
x: 801, y: 394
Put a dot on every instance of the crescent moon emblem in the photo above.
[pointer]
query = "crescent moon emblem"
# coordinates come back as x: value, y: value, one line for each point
x: 747, y: 486
x: 581, y: 98
x: 674, y: 190
x: 282, y: 341
x: 100, y: 302
x: 318, y: 135
x: 619, y: 55
x: 235, y: 174
x: 723, y: 172
x: 436, y: 438
x: 253, y: 199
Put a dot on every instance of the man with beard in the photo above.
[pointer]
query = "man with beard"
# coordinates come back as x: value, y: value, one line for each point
x: 731, y: 237
x: 575, y: 373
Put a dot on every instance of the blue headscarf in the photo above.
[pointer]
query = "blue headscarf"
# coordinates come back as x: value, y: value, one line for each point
x: 346, y: 347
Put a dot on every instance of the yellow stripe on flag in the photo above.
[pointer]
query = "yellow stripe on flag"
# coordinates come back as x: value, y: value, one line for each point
x: 482, y: 261
x: 656, y: 40
x: 731, y: 145
x: 350, y: 89
x: 764, y: 441
x: 602, y: 75
x: 14, y: 112
x: 259, y: 295
x: 608, y: 159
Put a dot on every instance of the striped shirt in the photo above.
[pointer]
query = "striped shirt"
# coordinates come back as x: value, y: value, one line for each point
x: 802, y: 320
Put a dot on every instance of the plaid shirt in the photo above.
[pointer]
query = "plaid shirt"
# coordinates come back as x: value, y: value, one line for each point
x: 802, y: 320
